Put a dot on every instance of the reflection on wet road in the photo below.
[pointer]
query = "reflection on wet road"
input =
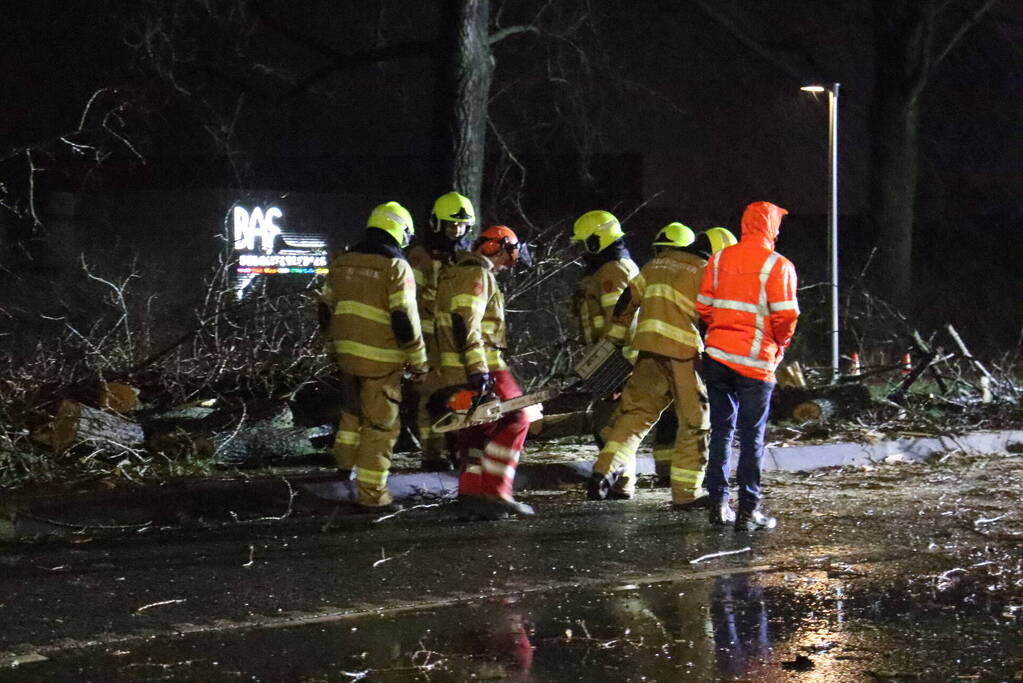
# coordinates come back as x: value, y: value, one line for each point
x: 761, y: 626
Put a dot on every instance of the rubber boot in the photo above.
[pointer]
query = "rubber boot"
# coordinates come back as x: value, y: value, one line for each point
x: 753, y: 520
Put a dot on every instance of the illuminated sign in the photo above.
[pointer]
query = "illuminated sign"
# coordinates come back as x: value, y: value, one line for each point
x: 263, y: 247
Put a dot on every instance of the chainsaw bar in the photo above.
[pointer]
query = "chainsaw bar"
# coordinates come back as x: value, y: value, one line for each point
x: 491, y: 411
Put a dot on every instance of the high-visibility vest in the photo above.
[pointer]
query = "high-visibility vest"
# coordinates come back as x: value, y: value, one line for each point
x: 665, y: 294
x: 468, y: 289
x: 748, y: 300
x: 364, y: 289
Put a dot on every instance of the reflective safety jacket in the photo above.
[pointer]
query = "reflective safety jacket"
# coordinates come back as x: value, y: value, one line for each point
x: 426, y: 269
x: 599, y: 290
x: 748, y: 298
x: 665, y: 294
x: 470, y: 320
x: 375, y: 326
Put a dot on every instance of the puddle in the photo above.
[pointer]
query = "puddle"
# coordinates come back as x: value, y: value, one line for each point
x: 761, y: 627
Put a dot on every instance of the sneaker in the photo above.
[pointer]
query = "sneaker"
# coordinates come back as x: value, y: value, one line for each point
x: 720, y: 511
x: 753, y: 520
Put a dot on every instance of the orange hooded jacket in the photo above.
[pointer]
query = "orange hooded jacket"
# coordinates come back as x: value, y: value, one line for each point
x: 748, y: 298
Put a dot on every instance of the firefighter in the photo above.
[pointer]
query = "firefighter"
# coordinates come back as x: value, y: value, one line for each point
x: 471, y: 341
x: 451, y: 219
x: 608, y: 269
x: 669, y: 345
x: 748, y: 300
x: 666, y: 429
x: 370, y: 295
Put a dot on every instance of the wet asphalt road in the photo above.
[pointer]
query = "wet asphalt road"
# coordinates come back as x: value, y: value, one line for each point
x: 584, y: 592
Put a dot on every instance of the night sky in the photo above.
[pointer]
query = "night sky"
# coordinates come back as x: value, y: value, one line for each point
x: 649, y: 108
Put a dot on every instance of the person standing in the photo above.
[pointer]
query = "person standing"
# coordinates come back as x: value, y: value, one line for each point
x: 668, y: 341
x: 450, y: 220
x: 370, y: 298
x: 748, y: 301
x: 472, y: 345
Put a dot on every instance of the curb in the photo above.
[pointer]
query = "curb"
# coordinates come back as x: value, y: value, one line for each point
x: 221, y: 500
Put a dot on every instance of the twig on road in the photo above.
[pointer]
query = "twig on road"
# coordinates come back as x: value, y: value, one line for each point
x: 723, y: 553
x: 159, y: 604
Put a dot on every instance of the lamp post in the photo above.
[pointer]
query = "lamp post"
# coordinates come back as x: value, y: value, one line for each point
x: 832, y: 91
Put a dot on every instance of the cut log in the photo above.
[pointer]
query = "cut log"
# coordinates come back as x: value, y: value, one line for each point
x: 846, y: 400
x: 791, y: 375
x: 118, y: 397
x: 77, y: 423
x: 818, y: 409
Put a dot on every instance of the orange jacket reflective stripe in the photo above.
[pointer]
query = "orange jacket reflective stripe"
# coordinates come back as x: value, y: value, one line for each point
x: 748, y: 298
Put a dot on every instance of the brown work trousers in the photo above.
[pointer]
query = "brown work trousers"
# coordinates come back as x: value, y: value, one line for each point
x: 368, y: 429
x: 655, y: 383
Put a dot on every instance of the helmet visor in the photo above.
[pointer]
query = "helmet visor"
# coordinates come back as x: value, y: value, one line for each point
x: 521, y: 254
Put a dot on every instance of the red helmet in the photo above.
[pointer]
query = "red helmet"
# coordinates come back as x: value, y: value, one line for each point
x: 500, y: 237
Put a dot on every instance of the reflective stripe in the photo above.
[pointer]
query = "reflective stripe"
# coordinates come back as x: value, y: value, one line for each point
x: 598, y: 321
x: 718, y: 354
x: 494, y: 359
x: 366, y: 311
x: 468, y: 301
x: 639, y: 282
x: 489, y: 326
x: 428, y: 327
x: 744, y: 306
x: 684, y: 476
x: 617, y: 332
x: 784, y: 306
x: 451, y: 360
x: 475, y: 356
x: 473, y: 469
x: 761, y: 319
x: 671, y: 294
x: 425, y: 432
x: 630, y: 353
x: 664, y: 454
x: 370, y: 352
x: 705, y: 300
x: 442, y: 319
x: 404, y: 298
x: 371, y: 477
x: 347, y: 438
x: 609, y: 299
x: 420, y: 277
x: 687, y: 337
x: 418, y: 356
x: 499, y: 451
x: 505, y: 470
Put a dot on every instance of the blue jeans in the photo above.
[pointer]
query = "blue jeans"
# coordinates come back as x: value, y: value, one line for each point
x: 735, y: 398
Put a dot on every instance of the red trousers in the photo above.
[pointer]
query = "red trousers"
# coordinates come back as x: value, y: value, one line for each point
x: 491, y: 452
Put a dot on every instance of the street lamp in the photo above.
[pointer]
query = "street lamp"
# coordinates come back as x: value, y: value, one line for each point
x: 832, y: 91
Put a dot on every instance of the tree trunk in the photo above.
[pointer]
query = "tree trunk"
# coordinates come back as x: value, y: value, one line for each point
x: 894, y: 191
x: 470, y: 74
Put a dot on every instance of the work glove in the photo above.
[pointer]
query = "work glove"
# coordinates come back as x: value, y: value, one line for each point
x: 480, y: 381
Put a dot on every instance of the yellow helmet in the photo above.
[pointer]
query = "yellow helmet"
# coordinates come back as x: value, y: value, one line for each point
x: 597, y: 230
x: 720, y: 238
x: 395, y: 220
x: 675, y: 235
x: 455, y: 208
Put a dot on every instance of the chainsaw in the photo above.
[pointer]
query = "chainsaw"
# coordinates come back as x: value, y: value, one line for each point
x: 601, y: 371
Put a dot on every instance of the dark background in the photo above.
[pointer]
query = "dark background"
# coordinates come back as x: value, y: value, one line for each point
x: 128, y: 129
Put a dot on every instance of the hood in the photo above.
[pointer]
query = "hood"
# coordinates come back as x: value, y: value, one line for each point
x: 762, y: 220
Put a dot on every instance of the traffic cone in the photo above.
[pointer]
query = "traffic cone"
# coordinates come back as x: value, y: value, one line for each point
x: 854, y: 364
x: 907, y: 364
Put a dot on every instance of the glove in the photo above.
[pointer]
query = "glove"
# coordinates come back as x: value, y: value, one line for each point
x: 480, y: 381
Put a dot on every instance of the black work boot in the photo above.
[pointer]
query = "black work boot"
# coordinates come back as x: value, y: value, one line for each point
x: 476, y: 508
x: 512, y: 506
x: 701, y: 503
x: 599, y: 486
x: 721, y: 512
x: 753, y: 520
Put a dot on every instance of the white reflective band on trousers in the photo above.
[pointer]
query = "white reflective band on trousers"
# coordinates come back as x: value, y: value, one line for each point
x: 761, y: 310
